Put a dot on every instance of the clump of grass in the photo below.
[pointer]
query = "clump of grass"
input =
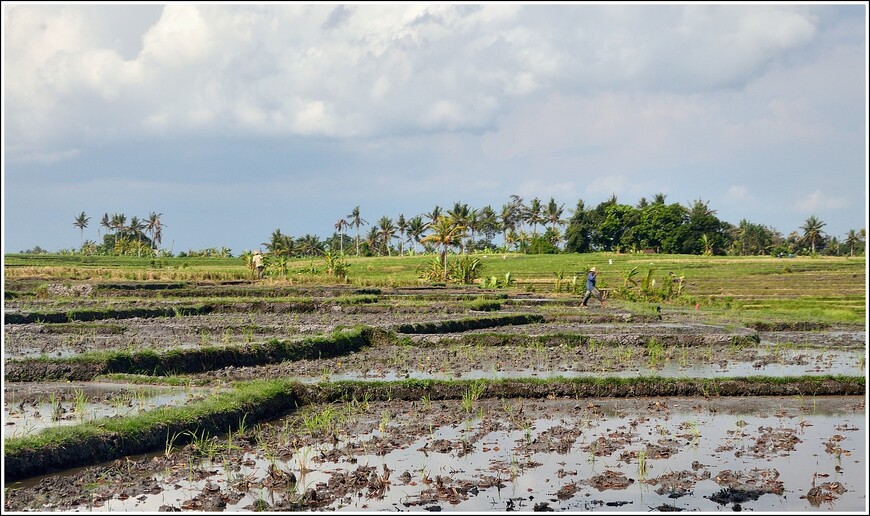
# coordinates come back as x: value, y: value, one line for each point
x: 483, y: 305
x: 79, y: 404
x: 321, y: 422
x: 357, y: 299
x: 655, y: 351
x: 471, y: 394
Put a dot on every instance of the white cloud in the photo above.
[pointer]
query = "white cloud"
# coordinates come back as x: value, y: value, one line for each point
x: 818, y: 201
x: 181, y: 37
x: 370, y: 70
x: 711, y: 101
x: 738, y: 194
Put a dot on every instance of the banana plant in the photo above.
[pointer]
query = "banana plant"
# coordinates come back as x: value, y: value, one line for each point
x: 629, y: 277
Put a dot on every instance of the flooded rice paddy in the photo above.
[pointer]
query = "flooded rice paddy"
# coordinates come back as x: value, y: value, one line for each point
x: 471, y: 451
x: 29, y: 408
x: 640, y: 454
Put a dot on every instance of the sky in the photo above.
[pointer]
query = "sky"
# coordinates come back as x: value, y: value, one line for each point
x: 232, y: 121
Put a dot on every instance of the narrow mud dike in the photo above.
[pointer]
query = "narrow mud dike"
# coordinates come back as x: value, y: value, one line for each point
x: 89, y: 444
x: 85, y: 367
x: 95, y: 315
x: 468, y: 324
x: 259, y: 401
x: 579, y: 388
x: 789, y: 326
x: 586, y: 339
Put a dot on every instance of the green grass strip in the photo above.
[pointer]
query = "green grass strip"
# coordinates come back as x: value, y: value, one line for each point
x: 95, y: 315
x: 107, y: 439
x: 471, y: 323
x: 86, y: 366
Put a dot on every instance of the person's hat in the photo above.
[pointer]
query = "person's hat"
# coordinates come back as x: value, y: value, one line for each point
x: 257, y: 252
x: 593, y: 269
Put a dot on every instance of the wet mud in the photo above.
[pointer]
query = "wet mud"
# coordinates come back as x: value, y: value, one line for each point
x: 591, y: 410
x: 498, y: 455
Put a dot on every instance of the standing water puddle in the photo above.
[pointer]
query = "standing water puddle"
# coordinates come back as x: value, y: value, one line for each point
x: 29, y: 408
x: 764, y: 362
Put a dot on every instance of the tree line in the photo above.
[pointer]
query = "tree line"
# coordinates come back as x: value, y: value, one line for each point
x: 650, y: 226
x: 534, y: 227
x: 139, y: 237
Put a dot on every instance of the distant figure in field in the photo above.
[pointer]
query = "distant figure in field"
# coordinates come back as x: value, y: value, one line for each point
x: 591, y: 289
x: 257, y: 261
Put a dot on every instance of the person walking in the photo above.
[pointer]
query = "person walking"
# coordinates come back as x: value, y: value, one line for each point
x: 592, y: 289
x: 257, y: 260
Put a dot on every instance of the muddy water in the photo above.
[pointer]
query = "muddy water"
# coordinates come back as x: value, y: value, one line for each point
x: 29, y: 408
x: 641, y: 454
x: 459, y: 361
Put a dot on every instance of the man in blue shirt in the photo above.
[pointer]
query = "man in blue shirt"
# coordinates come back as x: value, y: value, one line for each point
x: 591, y: 289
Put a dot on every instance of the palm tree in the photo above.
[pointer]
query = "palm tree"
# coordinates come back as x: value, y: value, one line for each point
x: 119, y: 223
x: 852, y: 240
x: 104, y: 222
x: 279, y: 244
x: 402, y: 228
x: 534, y: 215
x: 81, y: 223
x: 487, y: 222
x: 309, y: 245
x: 523, y: 239
x: 554, y: 213
x: 445, y: 232
x: 473, y: 223
x: 356, y: 221
x: 155, y: 229
x: 433, y: 215
x: 460, y: 214
x: 372, y: 239
x: 510, y: 218
x: 812, y: 231
x: 341, y: 225
x: 416, y: 228
x: 386, y: 233
x: 834, y: 245
x: 136, y: 228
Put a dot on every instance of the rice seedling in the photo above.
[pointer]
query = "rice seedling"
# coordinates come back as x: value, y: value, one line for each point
x: 655, y: 351
x: 80, y: 403
x: 695, y: 430
x: 323, y: 422
x: 472, y: 394
x: 26, y: 428
x: 515, y: 468
x: 170, y: 443
x: 54, y: 401
x: 641, y: 465
x: 527, y: 430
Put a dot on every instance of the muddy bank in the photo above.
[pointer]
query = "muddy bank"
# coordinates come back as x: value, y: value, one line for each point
x: 98, y: 315
x: 182, y: 361
x: 109, y: 439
